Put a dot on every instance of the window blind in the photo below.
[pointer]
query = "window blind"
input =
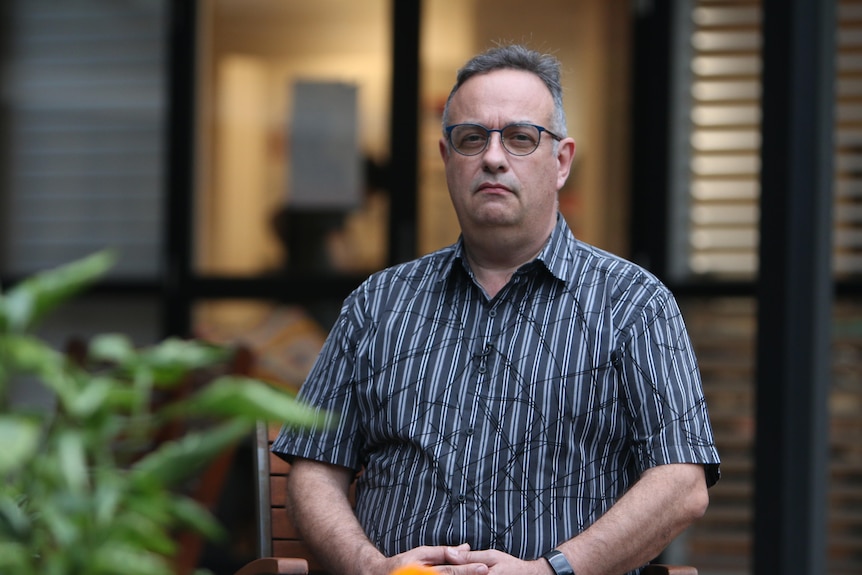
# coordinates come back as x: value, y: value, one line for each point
x: 716, y: 137
x: 715, y: 213
x: 848, y: 141
x: 82, y: 134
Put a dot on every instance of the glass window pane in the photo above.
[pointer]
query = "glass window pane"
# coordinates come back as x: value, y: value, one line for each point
x: 281, y: 83
x: 716, y: 129
x: 81, y: 134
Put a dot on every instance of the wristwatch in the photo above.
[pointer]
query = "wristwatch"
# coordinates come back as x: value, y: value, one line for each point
x: 558, y: 562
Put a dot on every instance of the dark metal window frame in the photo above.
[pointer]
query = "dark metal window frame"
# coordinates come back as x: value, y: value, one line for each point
x: 794, y: 288
x: 181, y: 285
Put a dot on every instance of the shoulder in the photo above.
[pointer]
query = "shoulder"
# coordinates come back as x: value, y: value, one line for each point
x: 594, y: 266
x: 590, y: 270
x: 428, y: 268
x: 405, y: 281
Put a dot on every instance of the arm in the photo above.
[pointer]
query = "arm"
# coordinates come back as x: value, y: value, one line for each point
x: 662, y: 504
x: 664, y: 501
x: 317, y: 499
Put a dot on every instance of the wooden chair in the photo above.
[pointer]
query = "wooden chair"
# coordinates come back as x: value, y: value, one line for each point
x: 657, y: 569
x: 281, y: 550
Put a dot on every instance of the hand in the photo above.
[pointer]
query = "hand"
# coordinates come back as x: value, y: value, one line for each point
x: 439, y: 557
x: 497, y: 562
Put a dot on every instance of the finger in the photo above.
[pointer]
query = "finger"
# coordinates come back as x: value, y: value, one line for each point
x: 487, y: 556
x: 469, y: 569
x: 457, y: 555
x: 434, y: 555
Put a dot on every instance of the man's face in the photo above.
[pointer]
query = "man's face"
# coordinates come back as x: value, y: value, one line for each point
x: 494, y: 189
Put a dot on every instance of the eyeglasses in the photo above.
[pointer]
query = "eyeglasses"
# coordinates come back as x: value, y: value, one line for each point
x: 517, y: 139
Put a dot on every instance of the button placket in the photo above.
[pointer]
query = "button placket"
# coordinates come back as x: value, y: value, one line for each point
x: 481, y: 356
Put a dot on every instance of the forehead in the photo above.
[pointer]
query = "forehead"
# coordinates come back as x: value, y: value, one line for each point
x: 502, y: 96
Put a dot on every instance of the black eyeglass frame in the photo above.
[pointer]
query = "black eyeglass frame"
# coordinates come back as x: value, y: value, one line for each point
x: 489, y: 131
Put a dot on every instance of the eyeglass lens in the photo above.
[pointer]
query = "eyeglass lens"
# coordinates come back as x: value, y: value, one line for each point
x: 518, y: 139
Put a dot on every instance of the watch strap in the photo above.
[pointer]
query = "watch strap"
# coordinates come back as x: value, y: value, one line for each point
x: 558, y: 562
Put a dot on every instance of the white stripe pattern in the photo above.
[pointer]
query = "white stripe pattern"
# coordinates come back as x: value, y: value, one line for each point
x: 511, y: 423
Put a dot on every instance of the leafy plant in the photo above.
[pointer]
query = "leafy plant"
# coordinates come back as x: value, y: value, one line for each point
x: 84, y: 488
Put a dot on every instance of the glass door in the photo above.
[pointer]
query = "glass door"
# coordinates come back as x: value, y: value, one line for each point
x: 293, y: 128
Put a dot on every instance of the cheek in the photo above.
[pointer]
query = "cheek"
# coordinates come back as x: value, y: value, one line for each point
x: 459, y: 178
x: 452, y: 180
x: 551, y: 176
x: 457, y: 187
x: 543, y: 187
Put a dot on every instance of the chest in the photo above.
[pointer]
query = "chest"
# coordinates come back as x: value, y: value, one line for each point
x: 532, y: 356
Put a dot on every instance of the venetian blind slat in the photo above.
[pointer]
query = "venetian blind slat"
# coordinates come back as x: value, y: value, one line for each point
x: 716, y: 236
x: 84, y: 94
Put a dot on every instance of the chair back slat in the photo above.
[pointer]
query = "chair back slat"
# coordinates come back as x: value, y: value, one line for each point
x: 276, y: 533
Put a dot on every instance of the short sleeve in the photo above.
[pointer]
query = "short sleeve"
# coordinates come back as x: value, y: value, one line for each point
x: 669, y: 417
x: 330, y: 388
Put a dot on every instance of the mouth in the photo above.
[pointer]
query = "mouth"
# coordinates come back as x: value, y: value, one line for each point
x: 493, y: 188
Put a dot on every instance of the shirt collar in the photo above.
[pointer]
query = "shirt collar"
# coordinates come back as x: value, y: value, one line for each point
x: 556, y: 256
x: 558, y: 253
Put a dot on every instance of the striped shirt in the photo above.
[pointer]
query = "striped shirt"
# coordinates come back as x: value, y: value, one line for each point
x: 511, y: 423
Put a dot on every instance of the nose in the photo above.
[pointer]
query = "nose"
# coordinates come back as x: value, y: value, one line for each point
x: 494, y: 157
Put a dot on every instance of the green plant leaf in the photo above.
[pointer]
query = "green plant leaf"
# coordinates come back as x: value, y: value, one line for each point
x: 146, y: 520
x: 108, y: 494
x: 28, y: 354
x: 90, y: 397
x: 235, y: 396
x: 114, y: 557
x: 173, y: 359
x: 13, y: 557
x: 64, y: 526
x: 19, y: 437
x: 15, y: 523
x: 178, y: 460
x: 193, y: 515
x: 72, y: 459
x: 111, y: 347
x: 28, y: 301
x: 76, y: 495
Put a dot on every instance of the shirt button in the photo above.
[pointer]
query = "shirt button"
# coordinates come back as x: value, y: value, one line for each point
x: 481, y: 369
x: 492, y: 313
x: 462, y: 498
x: 468, y: 431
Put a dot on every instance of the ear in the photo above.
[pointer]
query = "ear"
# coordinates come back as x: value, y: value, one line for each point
x: 444, y: 150
x: 565, y: 155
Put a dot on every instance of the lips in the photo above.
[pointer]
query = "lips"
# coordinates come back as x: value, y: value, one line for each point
x: 493, y: 187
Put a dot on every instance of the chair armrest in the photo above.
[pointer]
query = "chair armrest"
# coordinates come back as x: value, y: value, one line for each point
x: 275, y: 566
x: 668, y: 570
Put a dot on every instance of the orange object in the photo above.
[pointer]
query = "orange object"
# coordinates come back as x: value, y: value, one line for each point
x: 414, y: 570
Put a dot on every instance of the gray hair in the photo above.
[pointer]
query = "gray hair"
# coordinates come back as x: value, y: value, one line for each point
x: 517, y: 57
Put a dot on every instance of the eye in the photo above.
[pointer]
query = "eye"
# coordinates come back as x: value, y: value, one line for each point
x: 522, y: 135
x: 473, y: 138
x: 469, y: 137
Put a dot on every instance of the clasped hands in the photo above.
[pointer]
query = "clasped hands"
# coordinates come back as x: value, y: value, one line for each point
x: 461, y: 560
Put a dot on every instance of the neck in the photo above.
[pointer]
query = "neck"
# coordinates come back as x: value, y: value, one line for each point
x: 494, y: 267
x: 496, y: 252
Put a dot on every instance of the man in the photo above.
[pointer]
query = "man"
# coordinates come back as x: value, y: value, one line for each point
x: 519, y: 402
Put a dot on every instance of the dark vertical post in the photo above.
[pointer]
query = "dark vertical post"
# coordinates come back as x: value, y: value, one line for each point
x: 404, y: 130
x: 794, y: 287
x: 179, y: 166
x: 648, y: 237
